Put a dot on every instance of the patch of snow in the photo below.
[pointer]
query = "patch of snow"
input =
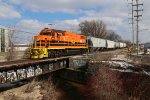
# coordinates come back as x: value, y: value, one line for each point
x: 147, y: 73
x: 122, y: 64
x: 123, y: 70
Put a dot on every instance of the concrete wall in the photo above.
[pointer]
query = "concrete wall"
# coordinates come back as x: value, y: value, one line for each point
x: 146, y: 45
x: 20, y: 48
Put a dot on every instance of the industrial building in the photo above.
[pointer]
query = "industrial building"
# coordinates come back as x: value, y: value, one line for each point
x: 147, y: 47
x: 4, y: 39
x: 21, y: 47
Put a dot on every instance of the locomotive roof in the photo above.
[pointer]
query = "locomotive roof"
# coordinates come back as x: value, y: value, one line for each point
x: 60, y: 31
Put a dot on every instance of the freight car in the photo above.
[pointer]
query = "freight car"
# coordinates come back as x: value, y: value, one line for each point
x: 117, y: 44
x: 121, y: 45
x: 54, y: 43
x: 96, y: 44
x: 110, y: 44
x: 124, y: 45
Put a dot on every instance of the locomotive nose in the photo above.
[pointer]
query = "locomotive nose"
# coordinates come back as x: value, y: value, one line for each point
x: 36, y: 52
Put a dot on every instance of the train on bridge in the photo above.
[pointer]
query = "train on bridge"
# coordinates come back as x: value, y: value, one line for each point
x: 51, y: 43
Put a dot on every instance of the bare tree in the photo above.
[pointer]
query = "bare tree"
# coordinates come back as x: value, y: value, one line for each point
x: 11, y: 50
x: 128, y: 42
x: 112, y: 35
x: 96, y: 28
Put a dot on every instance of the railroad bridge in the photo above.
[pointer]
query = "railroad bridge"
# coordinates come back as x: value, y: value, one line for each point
x: 23, y: 69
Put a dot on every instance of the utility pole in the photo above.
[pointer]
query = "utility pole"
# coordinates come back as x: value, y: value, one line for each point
x: 137, y: 16
x: 132, y: 22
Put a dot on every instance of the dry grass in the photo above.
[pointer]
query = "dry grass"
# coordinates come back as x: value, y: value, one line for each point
x: 48, y: 90
x: 113, y: 85
x: 30, y: 87
x: 14, y: 97
x: 102, y: 56
x: 143, y: 59
x: 44, y: 90
x: 104, y: 85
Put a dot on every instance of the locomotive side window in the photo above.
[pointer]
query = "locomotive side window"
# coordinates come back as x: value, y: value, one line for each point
x: 82, y: 37
x: 57, y: 35
x: 63, y: 34
x: 43, y: 33
x: 46, y: 33
x: 53, y: 34
x: 49, y: 32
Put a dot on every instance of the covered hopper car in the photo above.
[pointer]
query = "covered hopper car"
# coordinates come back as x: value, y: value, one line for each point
x: 97, y: 44
x: 110, y: 44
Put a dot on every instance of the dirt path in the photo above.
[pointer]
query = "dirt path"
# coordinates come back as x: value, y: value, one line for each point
x: 22, y: 93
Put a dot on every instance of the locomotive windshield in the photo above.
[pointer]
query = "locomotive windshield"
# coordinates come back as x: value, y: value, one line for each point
x: 49, y: 32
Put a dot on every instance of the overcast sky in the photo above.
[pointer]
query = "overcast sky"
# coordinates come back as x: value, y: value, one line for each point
x: 33, y: 15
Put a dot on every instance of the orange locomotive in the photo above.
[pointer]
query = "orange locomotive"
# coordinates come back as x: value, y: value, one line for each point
x: 52, y: 43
